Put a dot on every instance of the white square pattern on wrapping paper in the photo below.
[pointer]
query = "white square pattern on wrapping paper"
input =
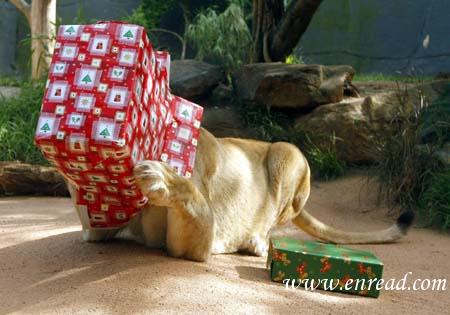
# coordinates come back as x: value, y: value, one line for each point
x: 58, y: 91
x: 117, y: 74
x: 184, y: 134
x: 85, y: 102
x: 175, y: 147
x: 75, y: 120
x: 60, y: 109
x: 68, y: 52
x: 85, y: 37
x: 104, y: 130
x: 87, y: 77
x: 77, y: 144
x: 96, y: 62
x: 47, y: 126
x: 58, y: 68
x: 128, y: 33
x: 185, y: 111
x: 178, y: 165
x: 117, y: 97
x: 99, y: 45
x: 70, y: 31
x: 127, y: 57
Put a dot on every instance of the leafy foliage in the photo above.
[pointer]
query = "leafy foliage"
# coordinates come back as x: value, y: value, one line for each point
x: 221, y: 38
x: 273, y: 126
x: 149, y: 12
x: 323, y: 157
x: 293, y: 60
x: 18, y: 119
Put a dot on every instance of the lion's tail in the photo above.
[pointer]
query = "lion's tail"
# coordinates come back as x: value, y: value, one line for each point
x: 320, y: 230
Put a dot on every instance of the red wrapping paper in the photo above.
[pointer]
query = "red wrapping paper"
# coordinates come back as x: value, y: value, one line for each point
x: 107, y: 106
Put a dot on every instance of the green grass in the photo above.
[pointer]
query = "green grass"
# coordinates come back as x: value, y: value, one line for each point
x: 18, y: 119
x: 378, y: 77
x: 435, y: 200
x: 409, y: 173
x: 10, y: 81
x: 273, y: 126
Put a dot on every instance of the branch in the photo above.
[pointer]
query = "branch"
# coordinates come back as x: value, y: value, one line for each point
x: 23, y: 7
x: 292, y: 26
x: 178, y: 36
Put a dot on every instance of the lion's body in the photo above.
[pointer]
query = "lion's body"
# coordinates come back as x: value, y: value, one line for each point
x: 239, y: 190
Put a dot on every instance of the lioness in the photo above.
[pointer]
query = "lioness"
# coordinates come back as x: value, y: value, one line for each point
x: 239, y: 190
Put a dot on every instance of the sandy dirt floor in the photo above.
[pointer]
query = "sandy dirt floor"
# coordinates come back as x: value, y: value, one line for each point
x: 45, y: 267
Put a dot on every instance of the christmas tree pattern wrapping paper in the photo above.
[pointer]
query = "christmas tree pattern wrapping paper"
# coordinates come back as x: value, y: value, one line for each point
x: 297, y: 260
x: 107, y: 106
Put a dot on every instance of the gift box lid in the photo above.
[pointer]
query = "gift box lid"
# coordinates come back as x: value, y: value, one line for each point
x: 331, y: 267
x: 306, y: 247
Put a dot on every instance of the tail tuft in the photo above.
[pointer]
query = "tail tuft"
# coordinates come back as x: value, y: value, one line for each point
x: 405, y: 220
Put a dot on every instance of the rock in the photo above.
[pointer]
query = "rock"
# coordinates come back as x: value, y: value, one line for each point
x: 295, y: 86
x: 226, y: 122
x: 9, y: 91
x: 356, y: 122
x: 359, y: 122
x: 192, y: 79
x: 21, y: 179
x: 222, y: 94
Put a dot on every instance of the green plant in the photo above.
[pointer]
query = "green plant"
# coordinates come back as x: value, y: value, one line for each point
x: 435, y: 200
x: 375, y: 77
x: 409, y: 172
x: 18, y: 119
x: 149, y: 12
x: 221, y: 38
x: 10, y: 81
x: 293, y: 60
x: 323, y: 157
x: 273, y: 126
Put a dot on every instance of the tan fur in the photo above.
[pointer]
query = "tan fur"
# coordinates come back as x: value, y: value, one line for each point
x: 240, y: 189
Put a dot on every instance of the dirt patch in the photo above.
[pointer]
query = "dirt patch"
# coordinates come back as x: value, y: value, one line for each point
x: 46, y: 268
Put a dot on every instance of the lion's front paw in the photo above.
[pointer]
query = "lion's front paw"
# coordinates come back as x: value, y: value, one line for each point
x: 256, y: 246
x: 153, y: 179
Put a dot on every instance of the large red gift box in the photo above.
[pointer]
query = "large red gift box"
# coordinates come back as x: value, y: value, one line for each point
x: 107, y: 106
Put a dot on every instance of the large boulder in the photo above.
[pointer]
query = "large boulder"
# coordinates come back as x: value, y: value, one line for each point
x: 358, y: 123
x: 293, y: 86
x: 192, y: 79
x: 226, y: 121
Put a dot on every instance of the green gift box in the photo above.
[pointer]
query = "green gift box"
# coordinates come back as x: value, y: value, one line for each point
x: 324, y: 266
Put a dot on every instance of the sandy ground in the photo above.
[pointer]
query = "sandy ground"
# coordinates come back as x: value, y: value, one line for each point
x: 46, y: 268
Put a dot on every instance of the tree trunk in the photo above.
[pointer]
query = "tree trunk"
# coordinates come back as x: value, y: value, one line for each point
x: 276, y: 32
x: 267, y: 14
x: 41, y: 16
x: 23, y: 179
x: 43, y: 19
